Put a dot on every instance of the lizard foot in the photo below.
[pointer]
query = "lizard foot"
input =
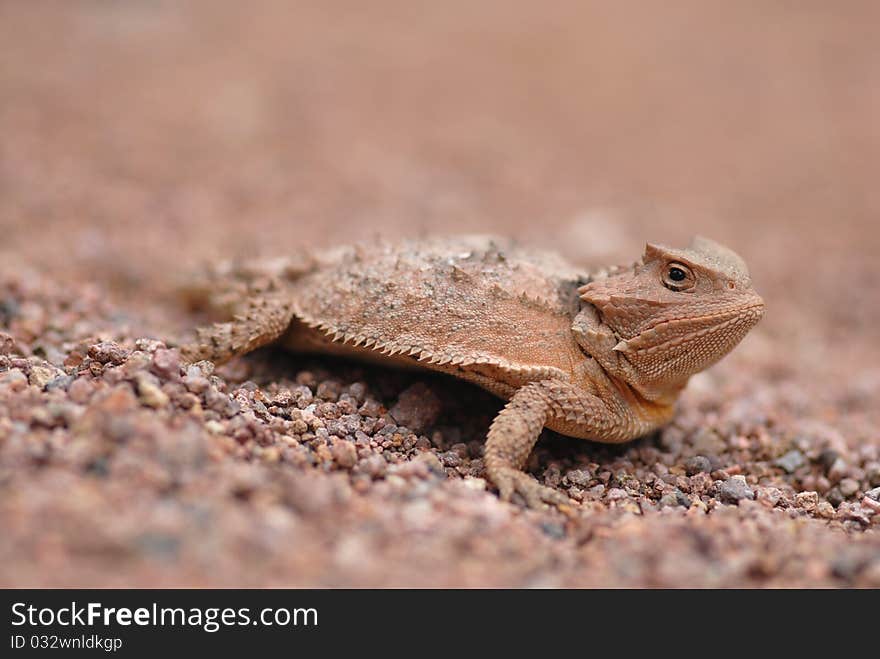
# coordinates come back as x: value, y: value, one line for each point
x: 511, y: 481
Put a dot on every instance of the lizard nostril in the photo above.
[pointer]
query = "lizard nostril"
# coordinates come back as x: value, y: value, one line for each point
x: 731, y: 285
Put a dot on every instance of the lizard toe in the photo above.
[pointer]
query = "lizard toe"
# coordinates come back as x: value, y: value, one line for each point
x: 534, y: 495
x: 506, y: 484
x: 538, y: 496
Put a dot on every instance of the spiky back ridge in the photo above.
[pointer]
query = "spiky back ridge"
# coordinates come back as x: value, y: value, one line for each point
x: 470, y: 303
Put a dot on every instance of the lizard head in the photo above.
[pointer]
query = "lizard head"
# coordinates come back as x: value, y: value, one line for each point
x: 678, y: 311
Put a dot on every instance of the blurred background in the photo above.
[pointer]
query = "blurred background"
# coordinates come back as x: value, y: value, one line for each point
x: 141, y: 138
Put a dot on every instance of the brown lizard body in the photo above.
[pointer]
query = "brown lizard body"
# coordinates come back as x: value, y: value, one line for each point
x: 599, y: 357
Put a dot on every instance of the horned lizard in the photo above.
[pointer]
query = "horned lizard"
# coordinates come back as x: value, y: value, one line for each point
x: 599, y: 356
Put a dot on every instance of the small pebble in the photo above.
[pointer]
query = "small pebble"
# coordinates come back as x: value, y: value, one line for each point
x: 62, y: 382
x: 344, y: 453
x: 196, y: 384
x: 417, y: 408
x: 432, y: 461
x: 108, y: 352
x: 375, y: 466
x: 872, y: 473
x: 151, y: 395
x: 578, y: 477
x: 837, y: 470
x: 769, y: 496
x: 848, y: 487
x: 835, y: 497
x: 827, y: 458
x: 597, y: 491
x: 553, y: 530
x: 697, y: 464
x: 807, y: 500
x: 791, y: 461
x: 40, y: 376
x: 166, y: 363
x: 735, y: 489
x: 707, y: 442
x: 675, y: 498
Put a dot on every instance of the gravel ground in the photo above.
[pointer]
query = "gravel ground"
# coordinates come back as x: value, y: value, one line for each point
x: 143, y: 139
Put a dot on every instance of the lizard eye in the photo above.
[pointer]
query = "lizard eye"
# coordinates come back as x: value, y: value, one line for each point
x: 678, y: 277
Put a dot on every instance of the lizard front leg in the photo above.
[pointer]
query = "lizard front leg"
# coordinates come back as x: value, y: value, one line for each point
x: 512, y: 436
x: 515, y: 431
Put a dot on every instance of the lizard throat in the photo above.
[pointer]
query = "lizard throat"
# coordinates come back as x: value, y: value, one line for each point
x: 657, y: 337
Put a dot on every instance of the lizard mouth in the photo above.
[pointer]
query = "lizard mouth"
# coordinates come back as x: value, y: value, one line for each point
x: 663, y: 334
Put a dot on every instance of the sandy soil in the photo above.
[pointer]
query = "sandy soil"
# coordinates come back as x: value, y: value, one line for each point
x: 142, y: 139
